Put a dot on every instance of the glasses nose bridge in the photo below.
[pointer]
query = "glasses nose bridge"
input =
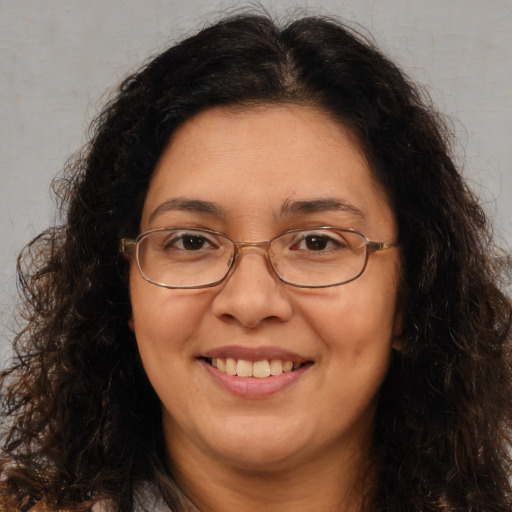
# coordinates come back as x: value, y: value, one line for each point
x: 266, y: 243
x: 265, y: 246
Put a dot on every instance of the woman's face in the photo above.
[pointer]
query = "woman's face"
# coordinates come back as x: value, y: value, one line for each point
x: 253, y: 174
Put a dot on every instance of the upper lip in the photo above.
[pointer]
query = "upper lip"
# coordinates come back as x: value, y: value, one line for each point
x: 254, y: 353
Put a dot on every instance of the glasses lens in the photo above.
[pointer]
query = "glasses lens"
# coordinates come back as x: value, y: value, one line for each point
x: 184, y: 258
x: 319, y: 256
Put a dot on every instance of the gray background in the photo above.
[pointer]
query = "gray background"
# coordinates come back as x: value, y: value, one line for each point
x: 58, y: 57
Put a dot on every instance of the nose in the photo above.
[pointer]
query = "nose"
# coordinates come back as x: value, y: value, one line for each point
x: 252, y: 294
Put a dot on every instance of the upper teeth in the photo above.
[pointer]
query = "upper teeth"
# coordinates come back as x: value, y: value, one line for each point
x: 259, y: 369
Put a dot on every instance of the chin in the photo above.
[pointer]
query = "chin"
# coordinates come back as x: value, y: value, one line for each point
x: 261, y: 446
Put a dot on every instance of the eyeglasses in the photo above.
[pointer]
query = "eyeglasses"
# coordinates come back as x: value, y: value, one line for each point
x: 316, y: 257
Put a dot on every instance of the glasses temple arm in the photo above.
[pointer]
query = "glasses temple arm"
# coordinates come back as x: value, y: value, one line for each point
x: 127, y: 246
x: 380, y: 246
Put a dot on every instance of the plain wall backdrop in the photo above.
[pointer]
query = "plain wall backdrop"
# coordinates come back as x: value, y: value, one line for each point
x: 59, y: 57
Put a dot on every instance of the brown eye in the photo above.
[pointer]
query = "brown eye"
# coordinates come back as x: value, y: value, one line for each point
x: 316, y: 243
x: 189, y: 242
x: 192, y: 242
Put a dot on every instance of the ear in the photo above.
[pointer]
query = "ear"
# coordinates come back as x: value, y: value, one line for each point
x: 131, y: 323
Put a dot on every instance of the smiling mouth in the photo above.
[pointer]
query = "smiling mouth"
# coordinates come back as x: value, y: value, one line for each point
x: 259, y: 369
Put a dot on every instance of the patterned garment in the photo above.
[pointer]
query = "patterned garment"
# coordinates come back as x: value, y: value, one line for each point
x: 148, y: 499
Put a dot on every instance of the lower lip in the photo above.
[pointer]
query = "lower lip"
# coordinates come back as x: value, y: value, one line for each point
x: 253, y: 387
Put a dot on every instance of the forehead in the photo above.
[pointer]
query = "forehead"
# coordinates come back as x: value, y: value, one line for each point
x: 266, y: 159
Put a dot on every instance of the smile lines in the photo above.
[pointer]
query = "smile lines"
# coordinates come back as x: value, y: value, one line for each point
x: 259, y: 369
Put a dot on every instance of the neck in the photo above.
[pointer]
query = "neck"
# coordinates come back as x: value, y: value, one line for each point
x: 328, y: 483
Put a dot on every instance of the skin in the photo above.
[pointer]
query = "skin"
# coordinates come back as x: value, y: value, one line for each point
x: 303, y: 447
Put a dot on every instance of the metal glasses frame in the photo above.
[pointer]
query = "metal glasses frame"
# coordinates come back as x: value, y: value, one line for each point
x: 130, y: 248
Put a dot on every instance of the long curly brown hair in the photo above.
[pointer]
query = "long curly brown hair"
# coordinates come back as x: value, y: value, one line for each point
x: 81, y: 421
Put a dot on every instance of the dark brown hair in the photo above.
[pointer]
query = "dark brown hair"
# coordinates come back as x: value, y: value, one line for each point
x: 81, y: 420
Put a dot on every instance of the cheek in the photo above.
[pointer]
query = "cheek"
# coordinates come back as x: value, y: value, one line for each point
x: 354, y: 317
x: 355, y: 329
x: 355, y: 320
x: 164, y: 322
x: 163, y: 319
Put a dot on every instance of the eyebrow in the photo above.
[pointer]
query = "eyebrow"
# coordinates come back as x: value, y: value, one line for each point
x: 319, y: 205
x: 194, y: 205
x: 289, y: 207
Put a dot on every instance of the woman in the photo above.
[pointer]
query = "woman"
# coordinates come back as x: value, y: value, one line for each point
x: 273, y: 291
